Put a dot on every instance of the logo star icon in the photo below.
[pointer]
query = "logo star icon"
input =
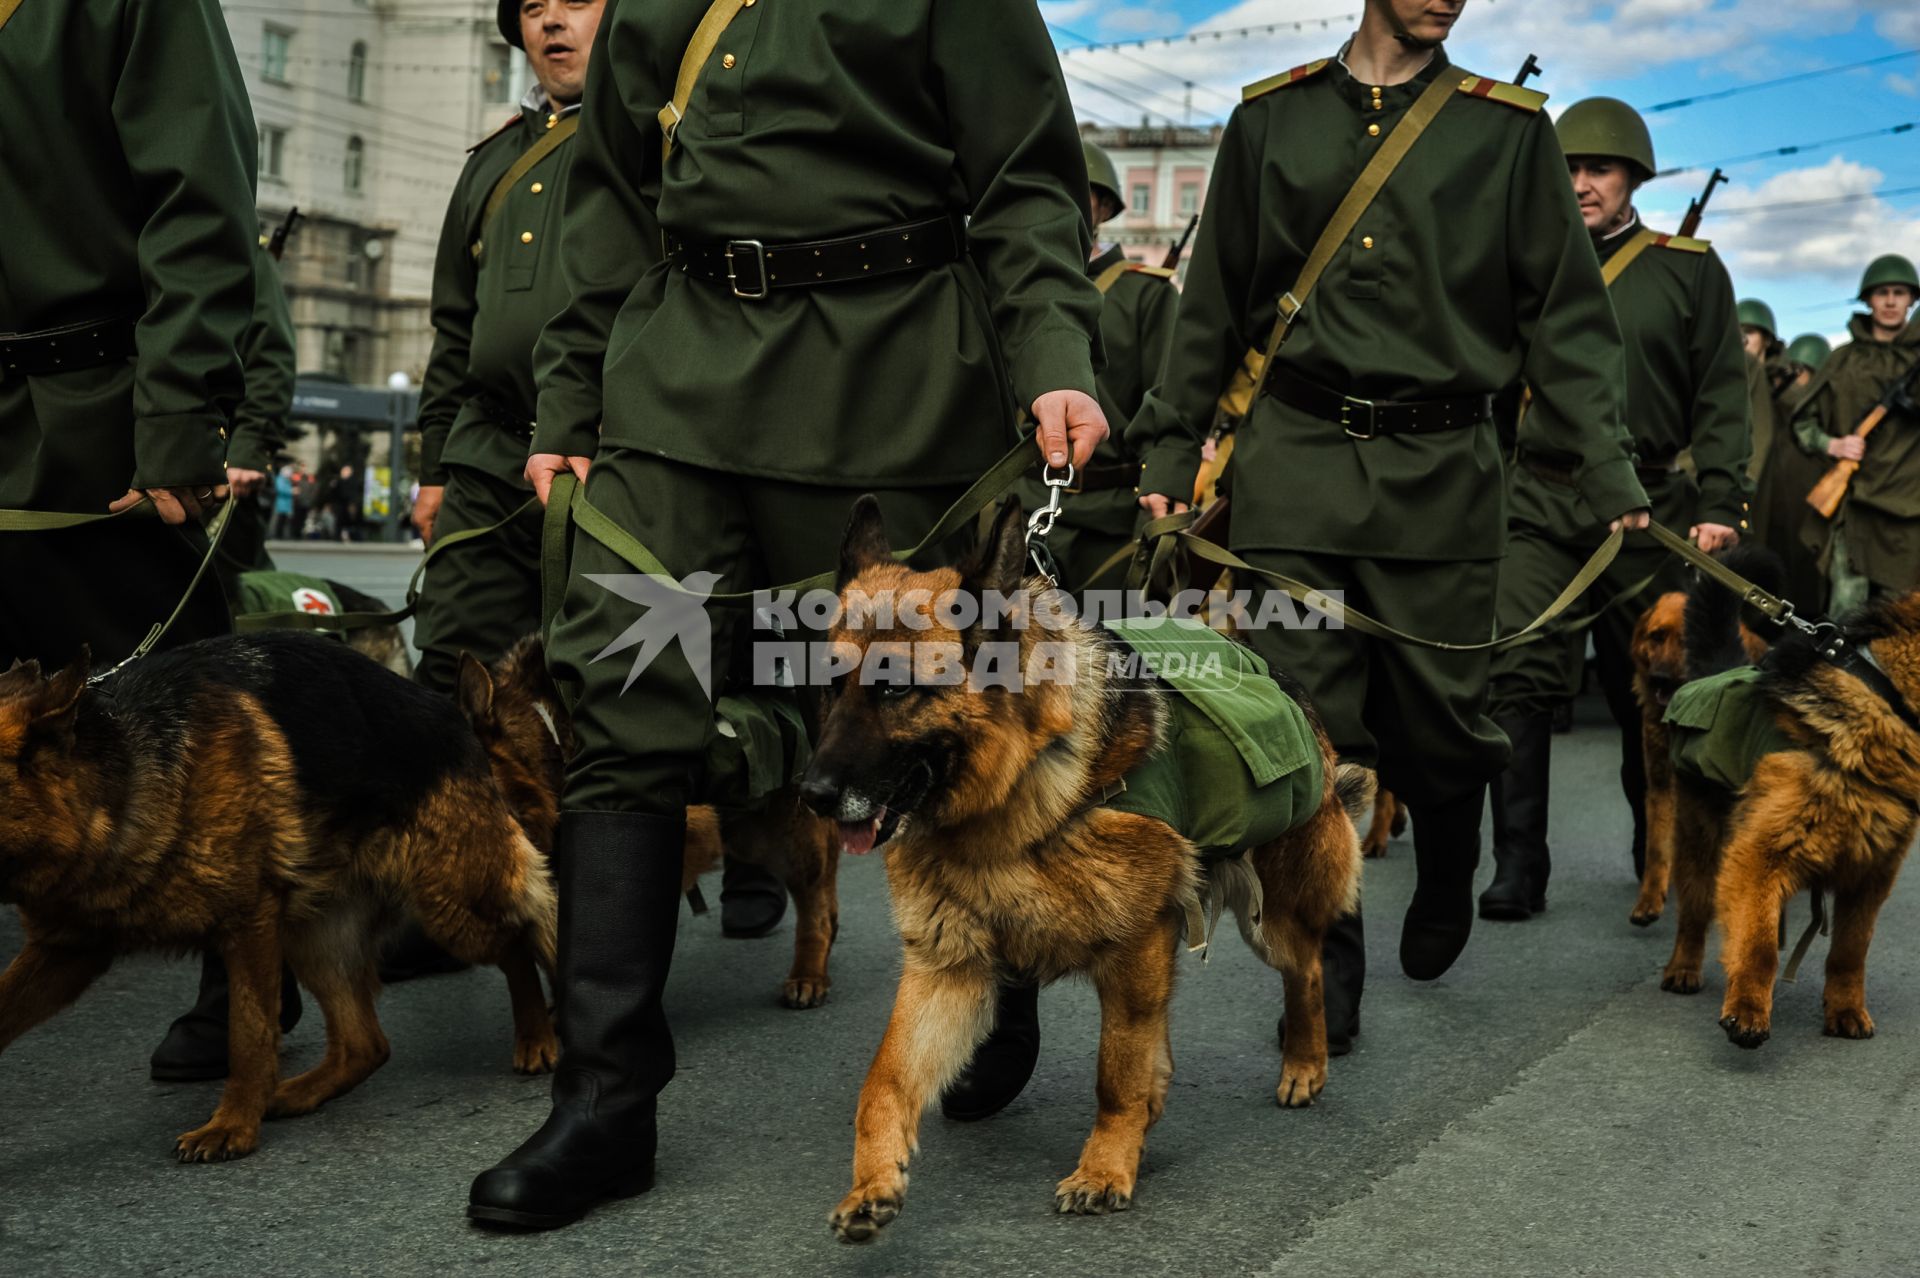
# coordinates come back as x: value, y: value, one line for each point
x: 674, y: 612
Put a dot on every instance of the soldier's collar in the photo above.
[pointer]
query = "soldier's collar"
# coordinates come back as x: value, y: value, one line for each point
x: 536, y: 103
x: 1436, y: 59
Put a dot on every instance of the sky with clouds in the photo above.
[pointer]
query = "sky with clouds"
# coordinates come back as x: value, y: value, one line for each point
x: 1805, y: 261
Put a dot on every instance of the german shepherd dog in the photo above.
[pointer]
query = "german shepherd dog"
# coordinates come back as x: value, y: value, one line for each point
x: 1686, y: 635
x: 267, y: 797
x: 1835, y: 813
x: 522, y: 721
x: 1000, y: 860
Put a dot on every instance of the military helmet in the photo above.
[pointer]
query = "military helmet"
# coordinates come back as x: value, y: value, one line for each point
x: 1606, y: 126
x: 1754, y: 313
x: 1810, y: 349
x: 1890, y: 269
x: 1101, y: 175
x: 509, y: 15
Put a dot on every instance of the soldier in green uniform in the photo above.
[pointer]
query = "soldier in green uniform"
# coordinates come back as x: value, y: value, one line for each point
x: 1783, y: 473
x: 122, y: 310
x: 1758, y: 335
x: 1367, y: 463
x: 1873, y: 543
x: 260, y: 423
x: 1099, y: 511
x: 1686, y: 390
x: 875, y: 248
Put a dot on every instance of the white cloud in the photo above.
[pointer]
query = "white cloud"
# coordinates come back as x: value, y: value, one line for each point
x: 1063, y: 11
x: 1136, y: 20
x: 1833, y: 240
x: 1906, y: 85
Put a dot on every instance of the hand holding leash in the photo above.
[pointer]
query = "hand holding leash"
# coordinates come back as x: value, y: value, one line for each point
x: 175, y: 505
x: 1071, y: 426
x: 542, y: 467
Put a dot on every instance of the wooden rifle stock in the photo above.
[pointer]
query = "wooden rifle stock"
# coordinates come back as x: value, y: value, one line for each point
x: 1832, y: 488
x: 1690, y: 225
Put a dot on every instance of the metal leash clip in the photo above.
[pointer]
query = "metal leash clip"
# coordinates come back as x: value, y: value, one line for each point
x: 1040, y: 523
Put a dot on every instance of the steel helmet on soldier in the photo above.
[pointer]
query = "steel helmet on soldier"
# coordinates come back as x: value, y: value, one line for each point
x: 1754, y: 313
x: 1810, y: 349
x: 1890, y: 269
x: 1606, y: 126
x: 1101, y: 175
x: 510, y: 22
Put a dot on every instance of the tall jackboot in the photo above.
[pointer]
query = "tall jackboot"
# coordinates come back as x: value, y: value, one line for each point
x: 1446, y: 849
x: 1003, y: 1063
x: 1343, y: 973
x: 619, y: 880
x: 195, y: 1048
x: 1520, y: 858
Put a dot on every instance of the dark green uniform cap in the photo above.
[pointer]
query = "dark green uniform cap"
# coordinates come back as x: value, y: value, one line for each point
x: 1101, y: 175
x: 1810, y: 349
x: 1607, y: 126
x: 1890, y: 269
x: 509, y: 15
x: 1754, y: 313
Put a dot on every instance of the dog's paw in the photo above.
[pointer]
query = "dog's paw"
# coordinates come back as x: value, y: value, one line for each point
x: 864, y: 1213
x: 1646, y: 915
x: 218, y: 1142
x: 1299, y: 1083
x: 1373, y: 849
x: 801, y: 992
x: 536, y: 1053
x: 1680, y: 980
x: 1092, y: 1193
x: 1848, y: 1022
x: 1746, y: 1026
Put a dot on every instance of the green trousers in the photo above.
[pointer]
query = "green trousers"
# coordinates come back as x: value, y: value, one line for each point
x: 1417, y: 715
x: 481, y: 596
x: 641, y: 715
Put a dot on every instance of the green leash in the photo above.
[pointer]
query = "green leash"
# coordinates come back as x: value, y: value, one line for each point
x: 216, y: 529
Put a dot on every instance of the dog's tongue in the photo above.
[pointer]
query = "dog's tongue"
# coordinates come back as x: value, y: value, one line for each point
x: 857, y: 836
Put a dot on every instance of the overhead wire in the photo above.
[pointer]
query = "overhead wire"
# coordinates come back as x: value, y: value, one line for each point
x: 1796, y: 149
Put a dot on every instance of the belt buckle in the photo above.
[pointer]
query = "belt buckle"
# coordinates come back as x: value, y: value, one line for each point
x: 1347, y: 404
x: 760, y: 260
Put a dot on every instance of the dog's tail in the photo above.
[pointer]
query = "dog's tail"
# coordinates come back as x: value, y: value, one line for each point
x: 1355, y: 787
x: 1715, y: 614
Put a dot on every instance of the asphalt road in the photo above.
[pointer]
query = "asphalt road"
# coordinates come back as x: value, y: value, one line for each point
x: 1542, y: 1109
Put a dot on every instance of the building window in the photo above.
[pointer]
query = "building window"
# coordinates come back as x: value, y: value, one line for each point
x: 356, y: 163
x: 357, y: 72
x: 273, y: 152
x: 1142, y: 202
x: 497, y: 79
x: 273, y: 53
x: 1189, y: 198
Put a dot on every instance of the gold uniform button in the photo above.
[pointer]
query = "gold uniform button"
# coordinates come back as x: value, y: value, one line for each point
x: 728, y: 61
x: 1366, y: 241
x: 552, y: 120
x: 526, y: 237
x: 538, y: 187
x: 1373, y: 130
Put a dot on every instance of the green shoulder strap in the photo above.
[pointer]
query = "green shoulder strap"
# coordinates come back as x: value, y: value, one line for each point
x: 539, y: 151
x: 7, y: 8
x: 706, y: 37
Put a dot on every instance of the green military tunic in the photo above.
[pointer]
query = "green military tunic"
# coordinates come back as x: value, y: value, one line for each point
x: 1686, y: 390
x: 260, y: 423
x: 731, y: 436
x: 496, y: 283
x: 1136, y: 324
x: 1783, y: 475
x: 1469, y: 271
x: 137, y: 109
x: 1880, y: 519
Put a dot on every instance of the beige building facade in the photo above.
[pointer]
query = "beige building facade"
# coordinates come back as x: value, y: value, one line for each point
x: 1163, y: 178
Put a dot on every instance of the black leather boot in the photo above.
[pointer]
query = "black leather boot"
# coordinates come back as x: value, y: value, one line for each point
x: 1446, y: 849
x: 412, y: 954
x: 1343, y: 974
x: 195, y: 1048
x: 619, y: 879
x: 1003, y: 1063
x: 1520, y: 858
x: 753, y: 900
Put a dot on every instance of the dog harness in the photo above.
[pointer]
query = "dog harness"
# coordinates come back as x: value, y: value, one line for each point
x: 1721, y: 726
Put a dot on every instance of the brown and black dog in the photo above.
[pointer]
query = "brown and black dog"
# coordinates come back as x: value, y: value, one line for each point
x: 268, y: 797
x: 1000, y: 859
x: 521, y: 719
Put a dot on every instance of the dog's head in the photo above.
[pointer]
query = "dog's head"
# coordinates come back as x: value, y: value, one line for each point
x: 517, y: 714
x: 927, y: 715
x: 38, y: 770
x: 1659, y: 647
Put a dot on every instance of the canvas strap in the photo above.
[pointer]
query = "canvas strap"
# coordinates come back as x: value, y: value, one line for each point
x: 539, y: 151
x: 706, y: 37
x: 1642, y: 241
x: 1106, y: 279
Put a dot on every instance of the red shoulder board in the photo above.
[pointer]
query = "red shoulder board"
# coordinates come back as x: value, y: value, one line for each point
x: 511, y: 121
x: 1306, y: 71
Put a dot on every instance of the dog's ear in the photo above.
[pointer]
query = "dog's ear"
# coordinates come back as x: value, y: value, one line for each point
x: 999, y: 561
x: 55, y: 704
x: 865, y: 542
x: 475, y: 689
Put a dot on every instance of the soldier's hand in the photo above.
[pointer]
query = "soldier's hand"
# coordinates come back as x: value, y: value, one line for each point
x: 1159, y: 505
x: 1071, y: 424
x: 1712, y: 537
x: 1847, y: 448
x: 426, y: 509
x: 1632, y: 521
x: 241, y: 482
x: 542, y: 467
x: 176, y: 505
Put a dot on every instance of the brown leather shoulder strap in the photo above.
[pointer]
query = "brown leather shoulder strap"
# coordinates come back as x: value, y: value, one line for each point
x: 7, y: 9
x: 706, y: 37
x: 531, y: 157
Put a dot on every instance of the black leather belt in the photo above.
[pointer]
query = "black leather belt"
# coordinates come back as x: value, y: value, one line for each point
x: 1372, y: 418
x: 496, y: 411
x: 64, y: 350
x: 752, y: 269
x: 1105, y: 477
x: 1561, y: 471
